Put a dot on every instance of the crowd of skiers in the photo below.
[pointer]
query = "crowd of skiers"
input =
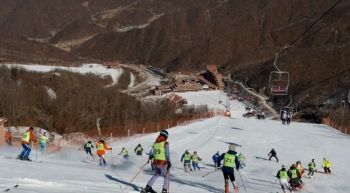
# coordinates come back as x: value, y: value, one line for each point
x: 159, y: 157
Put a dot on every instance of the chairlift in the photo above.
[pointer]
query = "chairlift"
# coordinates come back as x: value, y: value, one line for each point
x: 248, y: 96
x: 279, y: 81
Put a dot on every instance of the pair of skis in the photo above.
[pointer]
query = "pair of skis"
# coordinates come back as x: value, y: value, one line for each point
x: 15, y: 186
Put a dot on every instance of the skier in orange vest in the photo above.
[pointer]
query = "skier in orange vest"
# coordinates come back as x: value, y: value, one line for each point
x: 8, y: 137
x: 27, y: 137
x: 101, y: 146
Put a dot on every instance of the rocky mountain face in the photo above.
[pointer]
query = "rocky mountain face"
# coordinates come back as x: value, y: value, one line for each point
x: 241, y: 37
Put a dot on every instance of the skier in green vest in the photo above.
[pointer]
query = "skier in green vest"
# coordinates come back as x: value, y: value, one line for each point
x: 87, y: 147
x: 43, y: 142
x: 312, y: 169
x: 230, y: 162
x: 294, y: 177
x: 186, y: 158
x: 125, y: 153
x: 27, y: 137
x: 241, y: 160
x: 282, y: 175
x: 138, y: 149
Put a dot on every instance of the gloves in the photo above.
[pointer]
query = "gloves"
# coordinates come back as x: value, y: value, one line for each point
x: 237, y: 169
x: 148, y: 162
x: 169, y: 165
x: 111, y: 148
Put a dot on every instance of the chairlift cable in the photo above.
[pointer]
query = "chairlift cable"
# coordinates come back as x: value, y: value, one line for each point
x: 304, y: 32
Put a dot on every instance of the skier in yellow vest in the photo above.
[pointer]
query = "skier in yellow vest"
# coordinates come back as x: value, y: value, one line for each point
x: 138, y: 149
x: 27, y: 137
x: 101, y: 146
x: 43, y: 141
x: 282, y: 175
x: 230, y: 162
x: 186, y: 158
x: 125, y: 153
x: 326, y: 164
x: 195, y: 160
x: 161, y: 155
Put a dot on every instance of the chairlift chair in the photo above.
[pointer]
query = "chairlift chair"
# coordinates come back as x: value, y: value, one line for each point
x: 235, y: 88
x: 279, y: 82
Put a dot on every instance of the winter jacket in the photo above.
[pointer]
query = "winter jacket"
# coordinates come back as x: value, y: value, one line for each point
x: 216, y: 157
x: 158, y: 162
x: 8, y: 136
x: 236, y: 161
x: 326, y: 163
x: 88, y: 146
x: 279, y: 176
x: 101, y: 147
x: 183, y: 157
x: 138, y: 149
x: 272, y: 152
x: 31, y: 137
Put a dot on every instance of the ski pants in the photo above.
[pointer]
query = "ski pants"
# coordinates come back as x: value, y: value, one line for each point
x: 195, y: 165
x: 88, y: 151
x: 8, y: 141
x: 26, y: 151
x: 285, y: 185
x: 102, y: 158
x: 288, y: 121
x: 228, y: 175
x: 43, y: 147
x: 274, y: 157
x: 160, y: 170
x: 327, y: 169
x: 187, y: 166
x: 311, y: 172
x: 294, y: 182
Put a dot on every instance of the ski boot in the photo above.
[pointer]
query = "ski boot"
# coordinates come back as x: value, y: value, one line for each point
x: 26, y: 159
x: 164, y: 191
x: 148, y: 189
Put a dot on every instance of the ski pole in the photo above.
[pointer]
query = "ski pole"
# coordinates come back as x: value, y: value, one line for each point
x: 36, y: 152
x: 272, y: 185
x: 242, y: 181
x: 169, y: 181
x: 112, y: 156
x: 136, y: 175
x: 209, y: 173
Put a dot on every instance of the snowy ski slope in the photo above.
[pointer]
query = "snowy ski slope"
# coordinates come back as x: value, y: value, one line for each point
x: 71, y: 171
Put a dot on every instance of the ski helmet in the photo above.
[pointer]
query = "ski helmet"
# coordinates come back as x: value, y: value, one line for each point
x: 104, y: 139
x: 195, y: 152
x: 232, y: 147
x: 164, y: 133
x: 298, y: 162
x: 284, y: 166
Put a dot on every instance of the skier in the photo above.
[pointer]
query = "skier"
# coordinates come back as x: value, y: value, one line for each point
x: 43, y: 142
x: 87, y: 147
x: 263, y: 115
x: 27, y: 137
x: 312, y: 168
x: 215, y: 159
x: 241, y: 160
x: 284, y: 117
x: 283, y: 178
x: 273, y: 154
x: 101, y: 146
x: 186, y: 158
x: 294, y: 178
x: 138, y: 149
x: 300, y: 170
x: 125, y: 153
x: 289, y: 118
x: 195, y: 158
x: 230, y: 162
x: 8, y: 137
x: 326, y: 164
x: 161, y: 155
x: 258, y: 115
